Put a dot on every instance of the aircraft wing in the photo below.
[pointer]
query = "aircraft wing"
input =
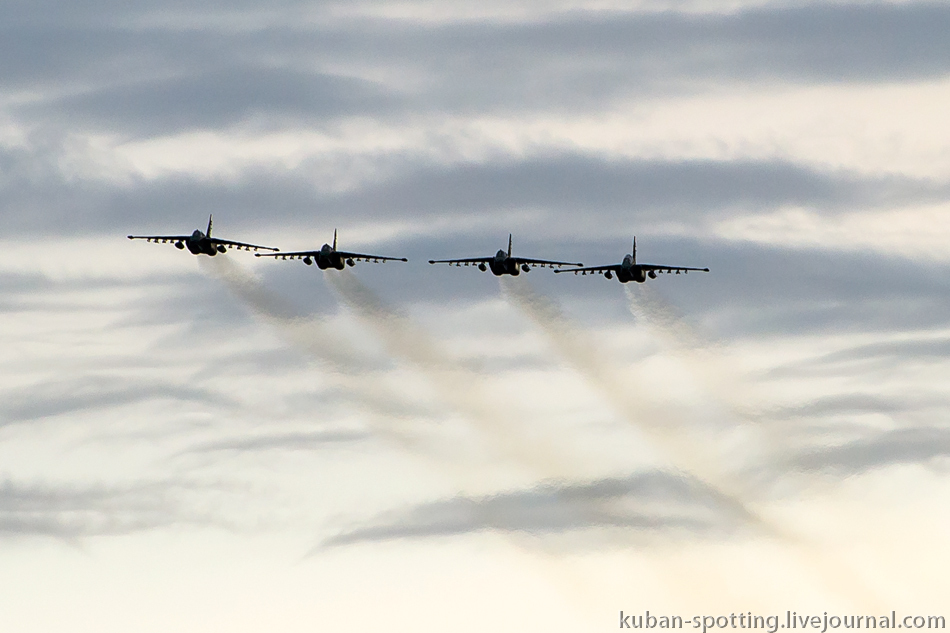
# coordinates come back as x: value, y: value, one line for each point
x: 615, y: 268
x: 293, y: 255
x: 592, y: 269
x: 458, y: 262
x: 160, y: 238
x: 541, y: 262
x: 669, y: 269
x: 359, y: 257
x: 241, y: 245
x: 362, y: 257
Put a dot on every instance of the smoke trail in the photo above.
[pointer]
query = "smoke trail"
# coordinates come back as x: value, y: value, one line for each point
x: 670, y: 434
x: 704, y: 358
x: 718, y: 377
x: 709, y: 365
x: 351, y: 369
x: 309, y: 333
x: 462, y: 391
x: 626, y: 395
x: 458, y: 387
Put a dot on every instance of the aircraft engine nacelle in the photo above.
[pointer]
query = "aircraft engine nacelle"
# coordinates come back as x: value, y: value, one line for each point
x: 639, y: 275
x: 222, y: 248
x: 307, y: 260
x: 652, y: 274
x: 179, y: 245
x: 482, y: 267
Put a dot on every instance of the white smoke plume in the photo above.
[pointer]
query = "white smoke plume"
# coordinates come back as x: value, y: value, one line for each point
x: 703, y: 357
x: 458, y: 387
x: 309, y: 333
x: 723, y: 383
x: 636, y: 404
x: 351, y: 369
x: 462, y: 390
x: 671, y: 434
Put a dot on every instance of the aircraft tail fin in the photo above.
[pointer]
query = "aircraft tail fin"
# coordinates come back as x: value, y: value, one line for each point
x: 634, y: 252
x: 334, y: 239
x: 210, y: 218
x: 509, y: 245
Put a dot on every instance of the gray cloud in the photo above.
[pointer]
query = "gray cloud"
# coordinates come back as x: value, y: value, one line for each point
x: 569, y: 61
x: 84, y: 70
x: 649, y: 502
x: 602, y: 189
x: 916, y: 445
x: 93, y: 392
x: 18, y: 290
x: 314, y: 440
x: 938, y: 348
x: 839, y: 404
x: 70, y: 512
x: 221, y: 98
x: 752, y: 291
x: 582, y: 188
x: 874, y: 355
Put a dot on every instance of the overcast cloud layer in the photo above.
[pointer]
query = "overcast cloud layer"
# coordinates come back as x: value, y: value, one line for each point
x: 267, y: 446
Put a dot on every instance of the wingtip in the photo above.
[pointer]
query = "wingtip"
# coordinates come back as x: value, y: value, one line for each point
x: 431, y: 261
x: 130, y: 237
x: 403, y: 259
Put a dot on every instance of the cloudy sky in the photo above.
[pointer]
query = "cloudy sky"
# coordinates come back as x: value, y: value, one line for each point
x: 245, y: 444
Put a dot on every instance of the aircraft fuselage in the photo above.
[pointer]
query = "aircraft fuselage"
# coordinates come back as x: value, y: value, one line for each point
x: 501, y: 264
x: 629, y: 271
x: 327, y: 257
x: 199, y: 244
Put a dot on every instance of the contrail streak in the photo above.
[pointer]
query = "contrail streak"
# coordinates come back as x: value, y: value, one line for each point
x: 671, y: 435
x: 460, y: 388
x: 350, y: 369
x: 704, y: 358
x: 626, y: 395
x: 310, y: 333
x: 721, y: 381
x: 314, y: 336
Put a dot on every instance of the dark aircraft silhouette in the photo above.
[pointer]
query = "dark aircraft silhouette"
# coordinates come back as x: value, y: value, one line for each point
x: 503, y: 263
x: 199, y: 242
x: 630, y: 270
x: 329, y: 257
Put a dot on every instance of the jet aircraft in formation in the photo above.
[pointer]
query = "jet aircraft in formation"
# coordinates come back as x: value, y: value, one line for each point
x: 329, y: 257
x: 199, y: 242
x: 630, y: 270
x: 503, y: 263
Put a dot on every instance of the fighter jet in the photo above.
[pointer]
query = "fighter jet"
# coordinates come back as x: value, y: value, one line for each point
x: 329, y: 257
x: 630, y: 270
x: 503, y: 263
x: 199, y: 242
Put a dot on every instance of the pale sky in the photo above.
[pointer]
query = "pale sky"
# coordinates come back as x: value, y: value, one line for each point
x: 241, y: 444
